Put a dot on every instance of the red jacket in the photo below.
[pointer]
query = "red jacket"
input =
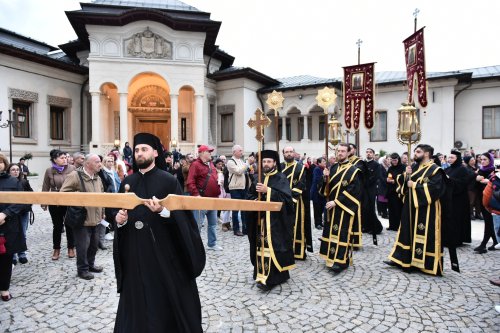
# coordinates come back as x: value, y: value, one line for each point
x: 197, y: 176
x: 487, y: 193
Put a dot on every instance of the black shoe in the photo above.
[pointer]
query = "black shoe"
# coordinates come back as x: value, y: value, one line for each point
x: 24, y: 260
x: 480, y: 248
x: 319, y: 227
x: 337, y: 268
x: 478, y: 217
x: 102, y: 247
x: 491, y: 248
x: 264, y: 287
x: 481, y: 251
x: 390, y: 263
x: 86, y: 275
x: 96, y: 269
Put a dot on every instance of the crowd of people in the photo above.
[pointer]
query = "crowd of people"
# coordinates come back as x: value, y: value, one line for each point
x: 429, y: 200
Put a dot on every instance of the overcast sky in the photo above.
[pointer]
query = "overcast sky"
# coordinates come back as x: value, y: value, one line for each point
x: 317, y: 37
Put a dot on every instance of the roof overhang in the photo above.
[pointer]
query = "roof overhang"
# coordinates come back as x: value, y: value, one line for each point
x: 247, y: 72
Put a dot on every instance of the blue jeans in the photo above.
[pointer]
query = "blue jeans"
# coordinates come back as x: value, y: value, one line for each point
x: 238, y: 194
x: 496, y: 226
x: 211, y: 215
x: 25, y: 219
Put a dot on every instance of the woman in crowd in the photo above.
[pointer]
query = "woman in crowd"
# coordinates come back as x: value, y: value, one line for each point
x: 472, y: 188
x: 15, y: 171
x: 11, y: 234
x: 485, y: 172
x: 52, y: 182
x: 382, y: 202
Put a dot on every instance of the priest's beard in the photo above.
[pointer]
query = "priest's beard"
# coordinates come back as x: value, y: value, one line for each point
x: 268, y: 169
x: 145, y: 163
x: 418, y: 159
x: 289, y: 160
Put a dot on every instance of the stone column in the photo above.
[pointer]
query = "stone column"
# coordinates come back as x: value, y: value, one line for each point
x: 174, y: 118
x: 123, y: 119
x: 96, y: 118
x: 200, y: 132
x: 306, y: 133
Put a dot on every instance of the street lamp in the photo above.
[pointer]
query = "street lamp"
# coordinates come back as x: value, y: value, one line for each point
x: 21, y: 118
x: 173, y: 144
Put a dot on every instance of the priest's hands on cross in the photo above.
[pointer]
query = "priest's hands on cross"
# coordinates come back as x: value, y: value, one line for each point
x: 261, y: 188
x: 330, y: 204
x: 3, y: 217
x: 154, y: 205
x: 122, y: 216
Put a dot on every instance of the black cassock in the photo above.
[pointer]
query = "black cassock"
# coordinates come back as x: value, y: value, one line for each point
x: 460, y: 209
x: 296, y: 176
x: 157, y: 261
x: 271, y: 238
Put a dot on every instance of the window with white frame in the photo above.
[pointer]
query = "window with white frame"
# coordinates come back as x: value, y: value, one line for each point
x: 22, y: 110
x: 491, y: 122
x: 379, y: 130
x: 57, y: 122
x: 226, y: 114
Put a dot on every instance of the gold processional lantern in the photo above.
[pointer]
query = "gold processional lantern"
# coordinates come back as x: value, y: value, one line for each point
x: 408, y: 131
x: 334, y: 131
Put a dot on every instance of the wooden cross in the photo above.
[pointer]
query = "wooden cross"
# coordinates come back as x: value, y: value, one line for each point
x: 258, y: 122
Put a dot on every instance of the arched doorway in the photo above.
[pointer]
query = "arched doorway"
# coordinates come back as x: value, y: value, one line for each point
x: 149, y: 107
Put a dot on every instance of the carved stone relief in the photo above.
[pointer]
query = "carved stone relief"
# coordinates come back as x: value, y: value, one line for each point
x: 147, y: 44
x: 23, y: 95
x: 59, y: 101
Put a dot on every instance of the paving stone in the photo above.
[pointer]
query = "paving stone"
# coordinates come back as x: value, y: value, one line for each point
x: 368, y: 297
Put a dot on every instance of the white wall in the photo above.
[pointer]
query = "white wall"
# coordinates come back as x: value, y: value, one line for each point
x: 43, y: 80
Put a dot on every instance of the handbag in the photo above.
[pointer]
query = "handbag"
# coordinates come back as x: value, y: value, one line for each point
x: 76, y: 215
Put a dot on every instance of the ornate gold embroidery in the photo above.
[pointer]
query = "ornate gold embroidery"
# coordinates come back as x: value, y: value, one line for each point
x: 335, y: 227
x: 425, y: 180
x: 419, y: 251
x: 345, y: 183
x: 332, y: 250
x: 421, y: 226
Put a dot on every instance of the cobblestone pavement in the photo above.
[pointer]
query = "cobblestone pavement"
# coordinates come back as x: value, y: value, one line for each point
x: 368, y: 297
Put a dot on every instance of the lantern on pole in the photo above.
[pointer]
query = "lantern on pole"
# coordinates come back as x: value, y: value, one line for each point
x: 275, y: 102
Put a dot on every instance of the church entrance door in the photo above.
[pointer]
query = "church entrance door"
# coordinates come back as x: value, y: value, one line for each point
x: 158, y: 127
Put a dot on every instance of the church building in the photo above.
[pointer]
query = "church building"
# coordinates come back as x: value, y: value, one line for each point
x: 155, y: 66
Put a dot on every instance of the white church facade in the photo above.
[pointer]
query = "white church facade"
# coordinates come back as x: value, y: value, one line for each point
x: 157, y: 68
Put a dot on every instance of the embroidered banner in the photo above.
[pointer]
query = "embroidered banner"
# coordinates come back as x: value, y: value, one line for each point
x: 359, y: 85
x: 415, y: 65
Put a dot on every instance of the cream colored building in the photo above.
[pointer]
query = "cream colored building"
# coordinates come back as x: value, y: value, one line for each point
x: 156, y: 67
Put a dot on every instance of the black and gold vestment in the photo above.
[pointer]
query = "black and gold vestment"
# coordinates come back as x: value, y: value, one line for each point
x: 344, y: 187
x: 302, y: 240
x: 418, y: 243
x: 271, y: 236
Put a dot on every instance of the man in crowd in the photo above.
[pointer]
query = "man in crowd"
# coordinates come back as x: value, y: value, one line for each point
x: 237, y: 184
x: 185, y: 170
x: 271, y: 236
x: 78, y: 159
x: 358, y: 163
x: 294, y: 172
x: 203, y: 181
x: 149, y: 242
x: 317, y: 198
x: 418, y: 243
x: 342, y: 191
x: 395, y: 204
x: 86, y: 237
x: 23, y: 168
x: 370, y: 222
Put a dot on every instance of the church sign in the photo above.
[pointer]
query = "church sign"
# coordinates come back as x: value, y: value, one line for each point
x: 147, y: 44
